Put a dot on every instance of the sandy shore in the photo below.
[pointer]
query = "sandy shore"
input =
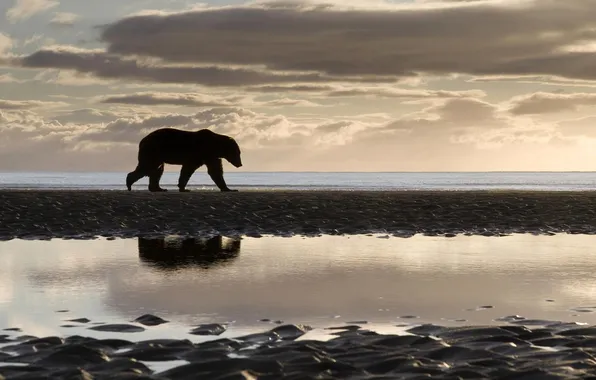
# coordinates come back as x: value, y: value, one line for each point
x: 38, y: 214
x: 548, y: 350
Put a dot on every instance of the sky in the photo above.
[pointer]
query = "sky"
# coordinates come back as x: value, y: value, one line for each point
x: 302, y: 85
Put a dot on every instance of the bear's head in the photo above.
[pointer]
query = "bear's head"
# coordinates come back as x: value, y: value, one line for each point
x: 232, y: 152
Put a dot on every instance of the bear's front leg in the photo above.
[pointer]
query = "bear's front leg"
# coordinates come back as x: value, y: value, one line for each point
x: 215, y: 170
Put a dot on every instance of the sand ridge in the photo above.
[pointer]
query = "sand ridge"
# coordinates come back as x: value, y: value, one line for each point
x: 42, y: 214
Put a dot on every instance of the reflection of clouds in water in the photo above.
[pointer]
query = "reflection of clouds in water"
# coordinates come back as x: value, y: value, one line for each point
x: 6, y: 290
x: 295, y: 278
x: 32, y: 324
x: 303, y: 277
x: 47, y: 276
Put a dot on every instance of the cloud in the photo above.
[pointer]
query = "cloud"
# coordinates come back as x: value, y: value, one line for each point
x: 389, y: 92
x: 6, y: 44
x: 450, y: 134
x: 379, y: 91
x: 64, y: 19
x: 306, y: 36
x: 545, y: 102
x: 255, y: 129
x: 292, y: 88
x: 579, y: 128
x: 27, y: 104
x: 109, y: 66
x: 24, y: 9
x: 175, y: 99
x: 86, y: 116
x: 287, y: 102
x: 8, y: 78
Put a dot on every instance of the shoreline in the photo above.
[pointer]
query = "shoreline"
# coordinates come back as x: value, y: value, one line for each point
x: 86, y: 214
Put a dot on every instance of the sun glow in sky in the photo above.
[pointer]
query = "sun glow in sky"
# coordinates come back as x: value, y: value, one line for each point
x: 327, y: 85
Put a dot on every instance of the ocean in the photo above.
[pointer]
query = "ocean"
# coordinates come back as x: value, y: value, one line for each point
x: 543, y: 181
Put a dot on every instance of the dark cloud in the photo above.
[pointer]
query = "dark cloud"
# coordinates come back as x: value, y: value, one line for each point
x: 530, y: 37
x: 389, y: 92
x: 27, y: 104
x: 110, y: 66
x: 175, y: 99
x: 292, y: 88
x: 545, y: 102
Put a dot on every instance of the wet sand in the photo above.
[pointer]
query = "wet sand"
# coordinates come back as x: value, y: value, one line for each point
x: 545, y: 350
x: 37, y: 214
x: 517, y: 348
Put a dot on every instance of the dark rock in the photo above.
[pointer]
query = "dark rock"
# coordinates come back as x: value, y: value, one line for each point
x: 583, y: 331
x: 17, y: 371
x: 185, y: 343
x: 153, y: 354
x: 426, y: 329
x: 259, y: 338
x: 208, y: 329
x: 114, y: 344
x: 532, y: 322
x: 79, y: 320
x: 72, y: 355
x: 210, y: 368
x: 346, y: 327
x: 118, y: 365
x: 224, y: 344
x: 510, y: 318
x: 24, y: 338
x: 150, y: 320
x: 50, y: 340
x: 79, y: 339
x: 120, y: 328
x: 291, y: 332
x: 456, y: 353
x: 203, y: 355
x: 240, y: 375
x: 473, y: 332
x: 17, y: 329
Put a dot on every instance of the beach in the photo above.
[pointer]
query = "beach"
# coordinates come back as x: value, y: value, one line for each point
x: 43, y: 214
x: 511, y: 346
x: 554, y: 351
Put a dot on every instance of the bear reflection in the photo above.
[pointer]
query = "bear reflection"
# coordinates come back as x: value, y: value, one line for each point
x: 180, y: 252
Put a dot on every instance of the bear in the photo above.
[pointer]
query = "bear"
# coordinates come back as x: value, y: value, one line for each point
x: 191, y: 149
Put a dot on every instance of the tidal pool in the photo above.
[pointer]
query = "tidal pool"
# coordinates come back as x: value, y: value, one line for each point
x: 252, y: 283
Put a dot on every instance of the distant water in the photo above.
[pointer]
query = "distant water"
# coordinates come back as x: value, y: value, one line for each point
x: 546, y: 181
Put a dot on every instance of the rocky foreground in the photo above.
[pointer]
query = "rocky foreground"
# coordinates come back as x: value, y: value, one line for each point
x: 555, y: 350
x: 43, y: 214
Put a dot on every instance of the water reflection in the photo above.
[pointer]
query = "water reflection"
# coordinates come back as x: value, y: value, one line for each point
x: 174, y: 253
x: 297, y: 280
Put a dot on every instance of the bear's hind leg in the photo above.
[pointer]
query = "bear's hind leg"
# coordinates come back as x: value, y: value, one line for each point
x: 185, y: 173
x: 154, y: 178
x: 134, y: 176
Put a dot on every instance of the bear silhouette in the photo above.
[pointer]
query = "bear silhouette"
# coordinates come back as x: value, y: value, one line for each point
x: 174, y: 253
x: 191, y: 149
